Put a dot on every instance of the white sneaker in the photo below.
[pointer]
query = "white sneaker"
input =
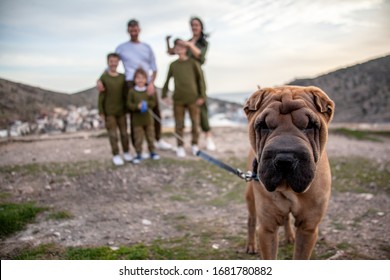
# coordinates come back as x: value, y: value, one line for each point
x: 137, y: 159
x: 154, y: 156
x: 145, y: 156
x: 195, y: 149
x: 127, y: 157
x: 210, y: 144
x: 162, y: 145
x: 117, y: 160
x: 180, y: 152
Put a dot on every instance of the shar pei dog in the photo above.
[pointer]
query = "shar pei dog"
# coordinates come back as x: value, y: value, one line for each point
x: 288, y: 131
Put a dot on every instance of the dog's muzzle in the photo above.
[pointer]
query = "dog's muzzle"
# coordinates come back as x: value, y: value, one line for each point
x: 296, y: 169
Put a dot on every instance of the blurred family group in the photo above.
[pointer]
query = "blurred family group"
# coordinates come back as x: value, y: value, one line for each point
x: 133, y: 93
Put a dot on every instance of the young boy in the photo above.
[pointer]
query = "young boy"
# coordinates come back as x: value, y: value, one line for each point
x: 112, y: 105
x: 189, y: 94
x: 139, y: 102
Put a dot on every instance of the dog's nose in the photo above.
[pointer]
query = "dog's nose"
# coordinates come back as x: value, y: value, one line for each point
x: 284, y: 160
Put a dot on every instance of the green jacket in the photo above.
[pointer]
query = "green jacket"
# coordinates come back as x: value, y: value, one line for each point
x: 188, y: 79
x: 133, y: 99
x: 112, y: 101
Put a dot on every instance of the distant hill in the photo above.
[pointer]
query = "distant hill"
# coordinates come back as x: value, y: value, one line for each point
x: 22, y: 102
x: 88, y: 97
x: 361, y: 92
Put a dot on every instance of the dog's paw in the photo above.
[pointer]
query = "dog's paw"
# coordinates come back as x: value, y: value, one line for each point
x: 251, y: 249
x: 290, y: 238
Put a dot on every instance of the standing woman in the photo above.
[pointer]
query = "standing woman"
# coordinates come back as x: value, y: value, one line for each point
x: 197, y: 48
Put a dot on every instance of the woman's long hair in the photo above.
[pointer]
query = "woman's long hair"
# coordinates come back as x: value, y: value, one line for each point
x: 202, y: 39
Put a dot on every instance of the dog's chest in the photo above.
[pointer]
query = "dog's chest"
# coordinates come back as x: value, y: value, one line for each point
x: 285, y: 200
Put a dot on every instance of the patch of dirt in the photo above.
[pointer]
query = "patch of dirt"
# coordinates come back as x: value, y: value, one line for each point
x: 131, y: 204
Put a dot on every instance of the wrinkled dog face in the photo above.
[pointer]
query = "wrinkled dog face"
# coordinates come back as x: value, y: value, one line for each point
x: 285, y: 127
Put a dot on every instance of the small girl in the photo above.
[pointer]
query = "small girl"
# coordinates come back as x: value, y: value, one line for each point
x: 138, y: 102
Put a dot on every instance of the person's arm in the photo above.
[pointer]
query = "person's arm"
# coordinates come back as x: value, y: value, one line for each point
x: 102, y: 96
x: 99, y: 83
x: 166, y: 85
x: 99, y: 86
x: 153, y: 67
x: 131, y: 103
x: 198, y: 53
x: 151, y: 89
x: 200, y: 83
x: 169, y: 48
x: 125, y: 93
x: 100, y: 103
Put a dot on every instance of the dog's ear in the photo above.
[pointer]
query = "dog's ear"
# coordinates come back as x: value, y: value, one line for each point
x: 253, y: 103
x: 323, y: 103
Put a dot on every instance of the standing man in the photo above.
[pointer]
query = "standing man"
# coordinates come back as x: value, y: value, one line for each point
x: 136, y: 54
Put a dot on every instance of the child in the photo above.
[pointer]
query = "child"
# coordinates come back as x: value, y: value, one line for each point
x: 112, y: 108
x: 139, y: 102
x: 189, y: 94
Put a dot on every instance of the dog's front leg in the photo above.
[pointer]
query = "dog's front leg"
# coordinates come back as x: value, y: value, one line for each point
x: 251, y: 239
x: 268, y: 237
x: 305, y: 241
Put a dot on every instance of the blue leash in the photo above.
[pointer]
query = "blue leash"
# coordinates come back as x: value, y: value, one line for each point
x: 248, y: 176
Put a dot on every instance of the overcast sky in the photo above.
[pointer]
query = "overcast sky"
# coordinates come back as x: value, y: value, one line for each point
x: 62, y: 45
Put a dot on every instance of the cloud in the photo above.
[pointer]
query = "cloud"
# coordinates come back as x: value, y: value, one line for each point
x: 248, y: 38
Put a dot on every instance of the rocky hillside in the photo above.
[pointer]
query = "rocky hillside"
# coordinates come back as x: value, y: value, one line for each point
x: 22, y: 102
x: 361, y: 92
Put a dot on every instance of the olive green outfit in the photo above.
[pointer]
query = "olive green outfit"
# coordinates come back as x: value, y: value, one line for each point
x: 112, y: 104
x: 204, y: 115
x: 156, y: 111
x: 142, y: 123
x: 189, y: 86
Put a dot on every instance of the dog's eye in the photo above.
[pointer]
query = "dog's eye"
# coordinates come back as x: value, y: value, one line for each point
x: 311, y: 125
x: 262, y: 125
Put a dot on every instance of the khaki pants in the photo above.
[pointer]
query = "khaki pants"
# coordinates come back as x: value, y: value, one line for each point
x: 179, y: 113
x: 138, y: 133
x: 113, y: 123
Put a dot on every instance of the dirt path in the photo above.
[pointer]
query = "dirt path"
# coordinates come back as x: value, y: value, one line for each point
x: 131, y: 204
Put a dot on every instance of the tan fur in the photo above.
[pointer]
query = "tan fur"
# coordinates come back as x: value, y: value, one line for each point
x: 273, y: 209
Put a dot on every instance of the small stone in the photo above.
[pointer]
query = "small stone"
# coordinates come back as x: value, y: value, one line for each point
x: 366, y: 196
x: 215, y: 246
x: 26, y: 238
x: 146, y: 222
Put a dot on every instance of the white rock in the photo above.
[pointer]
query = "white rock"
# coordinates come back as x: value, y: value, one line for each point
x: 27, y: 238
x: 366, y: 196
x: 146, y: 222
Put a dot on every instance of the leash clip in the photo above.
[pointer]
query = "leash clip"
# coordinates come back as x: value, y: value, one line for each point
x: 248, y: 176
